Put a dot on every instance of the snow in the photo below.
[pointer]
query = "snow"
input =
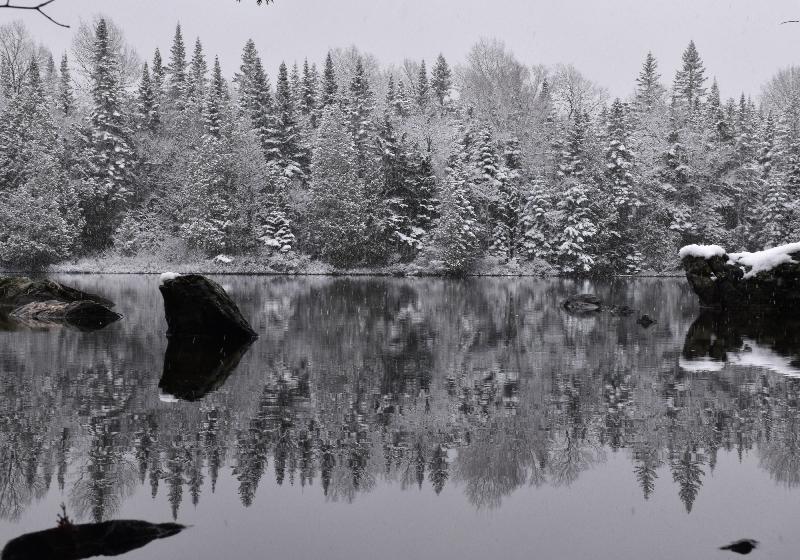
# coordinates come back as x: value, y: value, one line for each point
x: 167, y: 276
x: 224, y: 259
x: 701, y: 364
x: 763, y: 261
x: 167, y: 398
x: 751, y: 354
x: 702, y: 251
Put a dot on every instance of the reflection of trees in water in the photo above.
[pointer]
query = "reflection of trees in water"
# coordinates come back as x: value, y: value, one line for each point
x: 483, y: 386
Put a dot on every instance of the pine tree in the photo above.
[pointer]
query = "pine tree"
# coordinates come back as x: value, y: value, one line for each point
x: 296, y: 87
x: 147, y: 104
x: 689, y: 84
x: 308, y: 97
x: 109, y: 158
x: 255, y: 98
x: 536, y: 224
x: 649, y: 90
x: 329, y: 87
x: 66, y: 98
x: 197, y: 80
x: 215, y: 103
x: 572, y: 160
x: 716, y: 116
x: 441, y: 79
x: 766, y: 150
x: 776, y: 214
x: 423, y: 88
x: 178, y: 81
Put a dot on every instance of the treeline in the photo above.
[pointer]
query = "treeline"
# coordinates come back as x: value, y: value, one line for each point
x: 357, y: 165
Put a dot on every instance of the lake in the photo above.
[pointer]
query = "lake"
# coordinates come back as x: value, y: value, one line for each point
x: 412, y: 418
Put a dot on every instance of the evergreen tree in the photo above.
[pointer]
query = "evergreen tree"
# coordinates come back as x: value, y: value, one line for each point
x: 776, y: 215
x: 197, y: 80
x: 147, y: 105
x: 308, y: 98
x: 689, y: 84
x: 536, y: 224
x: 457, y: 233
x: 423, y: 88
x: 255, y: 98
x: 360, y: 113
x: 158, y: 75
x: 338, y: 205
x: 441, y: 79
x: 329, y: 86
x: 575, y: 251
x: 284, y: 143
x: 766, y: 150
x: 178, y: 81
x: 649, y: 90
x: 66, y: 98
x: 108, y: 157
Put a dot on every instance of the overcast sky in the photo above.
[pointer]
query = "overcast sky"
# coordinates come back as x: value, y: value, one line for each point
x: 741, y: 41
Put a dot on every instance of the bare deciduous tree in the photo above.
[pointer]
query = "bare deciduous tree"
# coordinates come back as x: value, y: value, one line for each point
x: 36, y: 8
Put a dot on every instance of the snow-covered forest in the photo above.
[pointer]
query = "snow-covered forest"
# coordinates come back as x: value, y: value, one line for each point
x: 338, y: 159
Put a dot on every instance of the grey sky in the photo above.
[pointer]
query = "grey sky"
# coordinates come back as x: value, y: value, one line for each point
x: 740, y: 41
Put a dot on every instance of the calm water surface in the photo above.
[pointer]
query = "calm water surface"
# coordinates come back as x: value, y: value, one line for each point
x: 389, y: 418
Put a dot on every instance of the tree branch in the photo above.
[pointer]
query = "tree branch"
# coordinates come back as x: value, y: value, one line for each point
x: 37, y: 8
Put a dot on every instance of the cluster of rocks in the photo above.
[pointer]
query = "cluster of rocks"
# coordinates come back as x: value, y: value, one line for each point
x: 41, y: 303
x: 590, y: 304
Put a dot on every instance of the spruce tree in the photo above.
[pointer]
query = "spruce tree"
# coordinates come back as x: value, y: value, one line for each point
x: 178, y: 81
x: 158, y: 75
x: 689, y: 84
x: 284, y: 143
x: 329, y: 87
x: 423, y: 88
x: 308, y: 97
x: 109, y: 158
x: 775, y: 215
x: 575, y: 251
x: 766, y: 150
x: 147, y: 104
x: 441, y: 79
x: 66, y: 97
x: 255, y: 97
x: 456, y: 238
x: 649, y: 90
x: 360, y: 105
x: 197, y: 79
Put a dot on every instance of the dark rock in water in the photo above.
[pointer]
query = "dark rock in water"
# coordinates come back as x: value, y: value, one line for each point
x: 18, y: 290
x: 621, y: 310
x: 194, y: 367
x: 197, y: 306
x: 646, y: 321
x: 74, y: 542
x: 719, y: 279
x: 744, y: 546
x: 84, y: 315
x: 583, y: 303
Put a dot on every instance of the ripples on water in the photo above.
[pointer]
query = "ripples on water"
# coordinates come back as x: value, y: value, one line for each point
x: 413, y: 418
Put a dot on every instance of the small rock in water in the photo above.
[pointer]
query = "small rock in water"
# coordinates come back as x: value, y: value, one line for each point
x: 646, y: 321
x: 85, y: 315
x: 197, y: 306
x: 621, y: 310
x: 583, y: 303
x: 744, y: 546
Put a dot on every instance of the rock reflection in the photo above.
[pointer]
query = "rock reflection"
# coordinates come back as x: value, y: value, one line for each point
x: 474, y: 387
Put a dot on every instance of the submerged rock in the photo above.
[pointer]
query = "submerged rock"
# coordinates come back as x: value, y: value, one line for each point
x: 74, y: 542
x: 197, y: 306
x: 744, y: 546
x: 583, y: 303
x: 194, y: 367
x: 19, y: 290
x: 722, y: 279
x: 645, y: 321
x: 85, y: 315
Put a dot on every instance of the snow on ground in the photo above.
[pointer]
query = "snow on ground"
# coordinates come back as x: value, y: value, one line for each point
x: 224, y: 259
x: 167, y: 276
x: 702, y: 251
x: 763, y: 261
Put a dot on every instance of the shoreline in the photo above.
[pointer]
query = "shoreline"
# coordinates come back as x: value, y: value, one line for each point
x: 488, y: 268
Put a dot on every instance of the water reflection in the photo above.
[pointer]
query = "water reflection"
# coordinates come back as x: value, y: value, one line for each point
x: 486, y: 386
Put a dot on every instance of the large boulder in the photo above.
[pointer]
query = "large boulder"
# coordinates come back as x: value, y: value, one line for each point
x: 19, y: 290
x: 729, y: 280
x: 198, y: 307
x: 85, y: 315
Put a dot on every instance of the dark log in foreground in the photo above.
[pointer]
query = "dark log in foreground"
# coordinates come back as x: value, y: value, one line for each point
x: 197, y: 306
x: 73, y: 542
x: 19, y: 290
x: 720, y: 279
x: 84, y: 315
x: 195, y: 367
